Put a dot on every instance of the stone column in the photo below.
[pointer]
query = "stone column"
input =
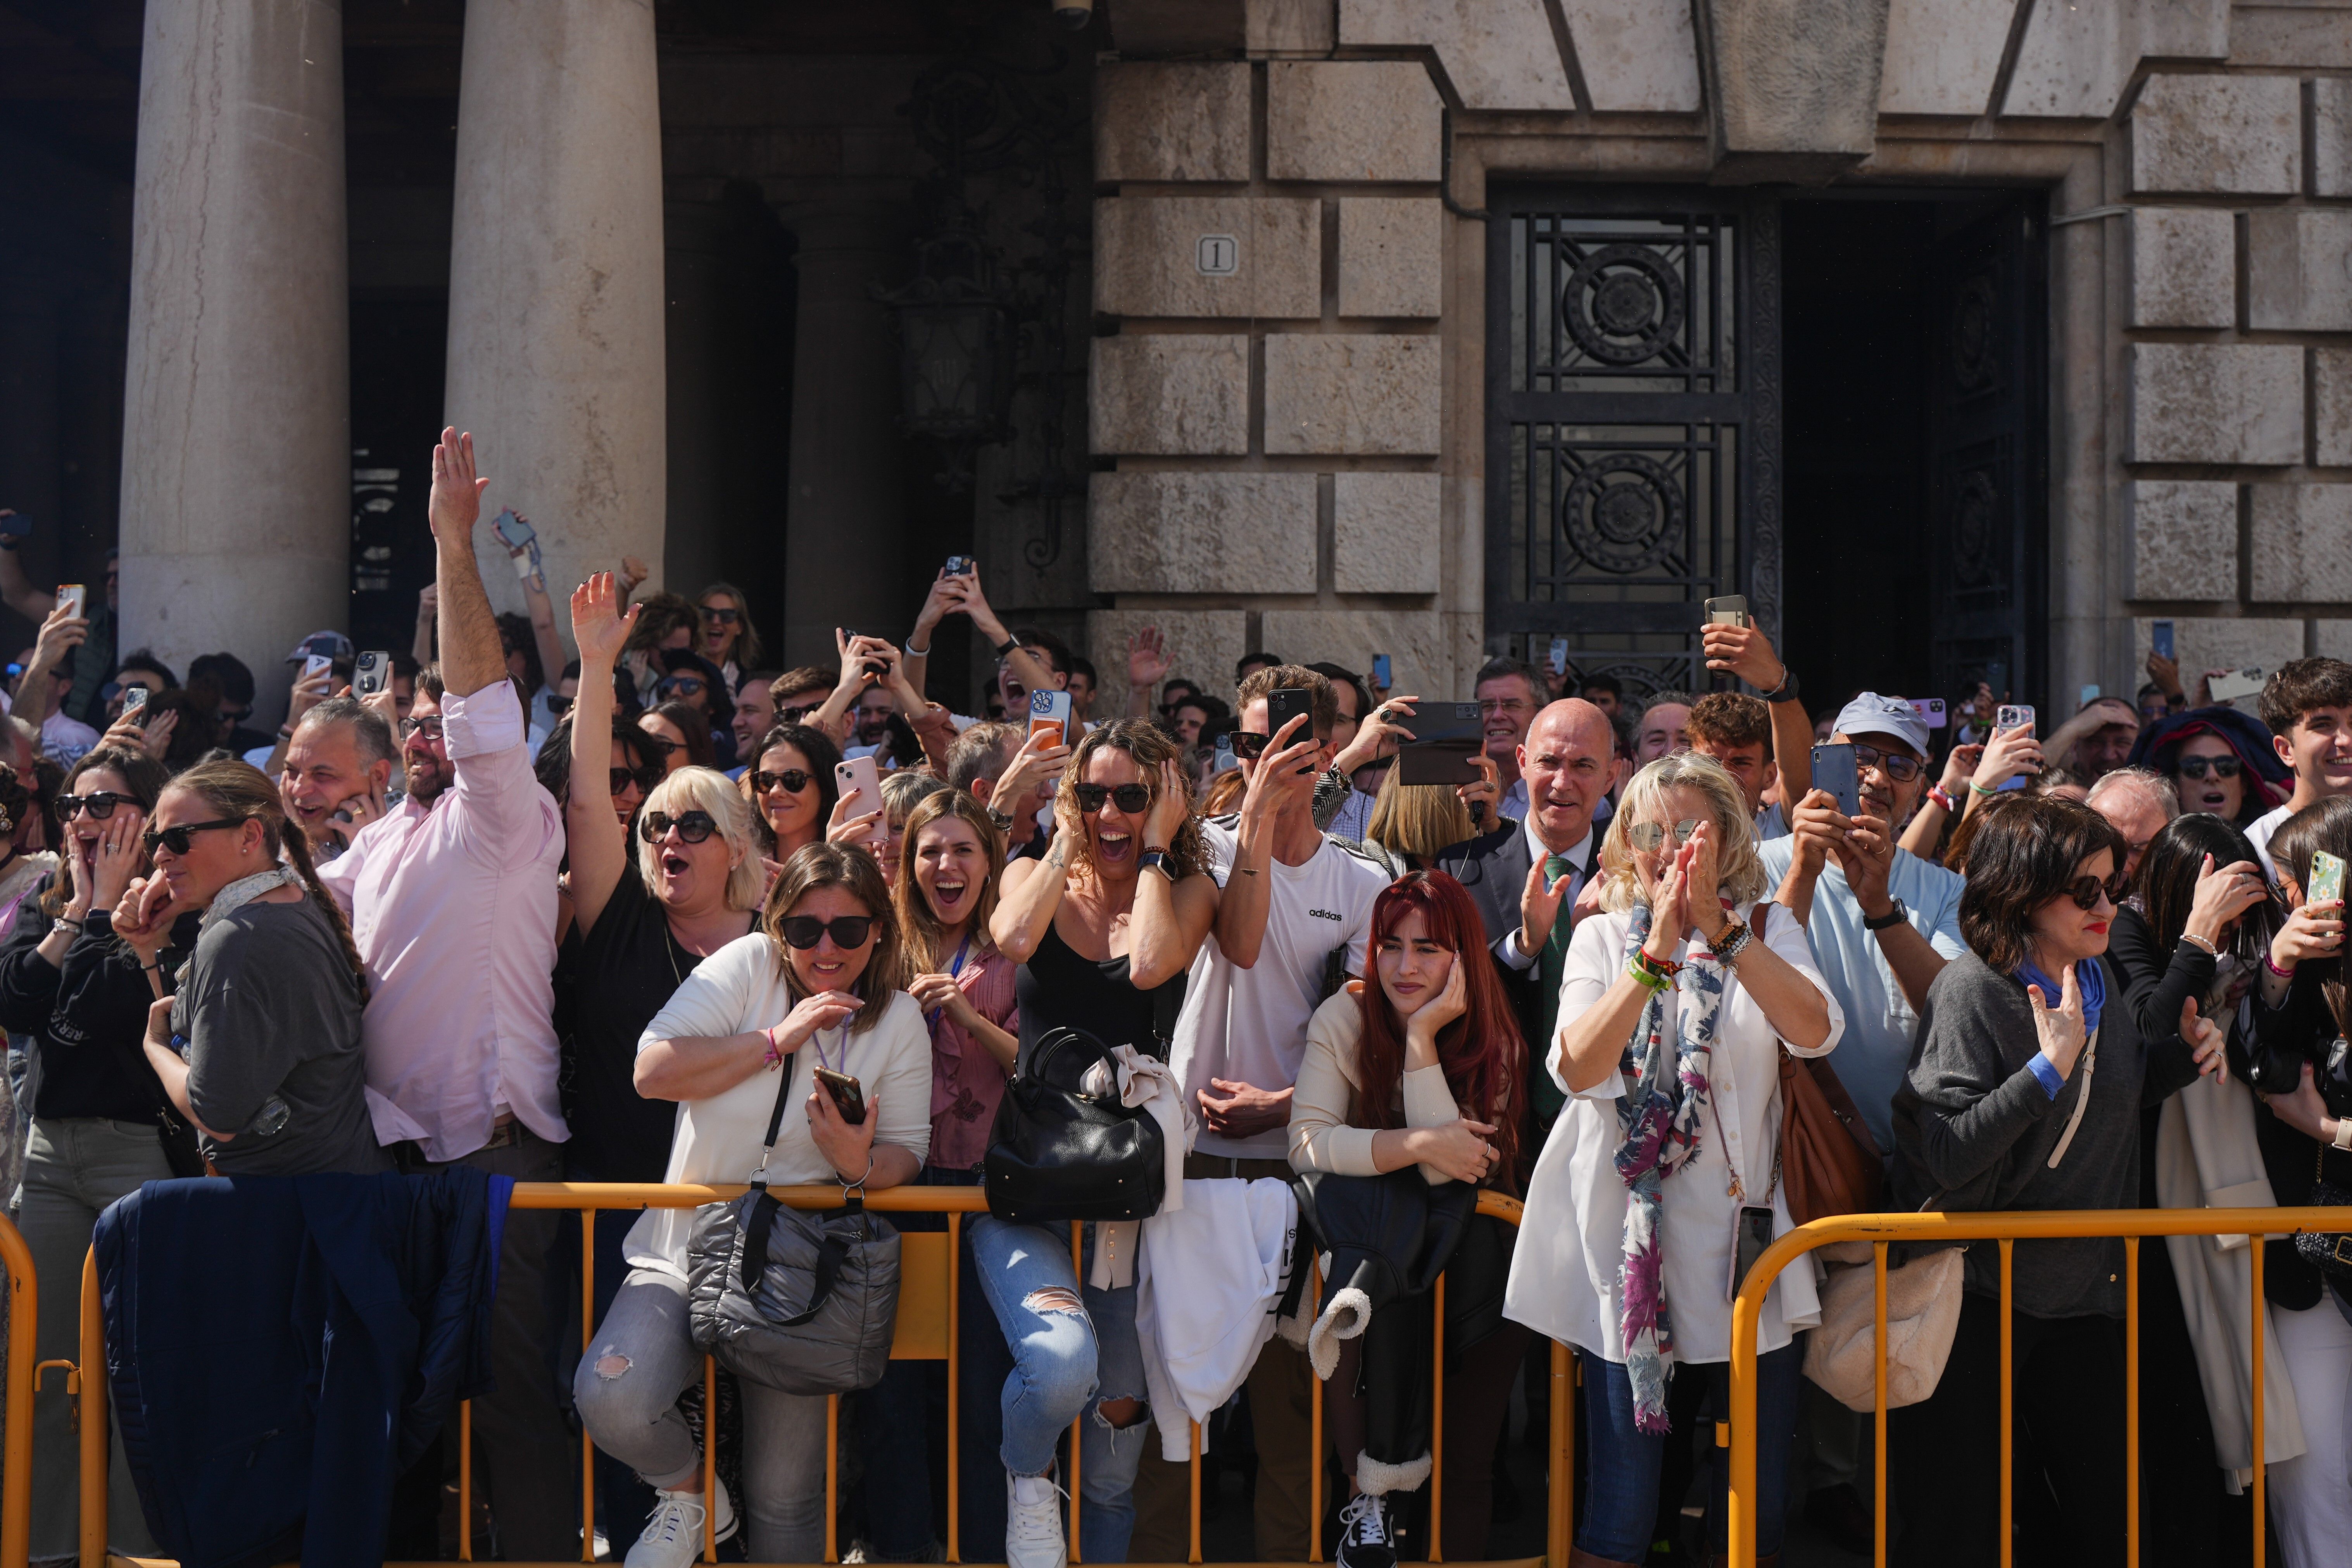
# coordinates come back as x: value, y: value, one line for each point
x: 845, y: 524
x: 236, y: 396
x: 555, y: 281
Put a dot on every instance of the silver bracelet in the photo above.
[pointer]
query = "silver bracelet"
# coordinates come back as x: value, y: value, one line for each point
x: 912, y: 651
x: 2201, y: 943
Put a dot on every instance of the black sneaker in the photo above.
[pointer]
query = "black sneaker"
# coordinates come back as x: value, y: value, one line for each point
x: 1365, y: 1540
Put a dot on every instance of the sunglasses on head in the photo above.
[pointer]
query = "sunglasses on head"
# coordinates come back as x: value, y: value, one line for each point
x: 2196, y: 767
x: 429, y: 726
x: 1894, y: 764
x: 101, y: 805
x: 1648, y: 835
x: 2087, y: 892
x: 680, y: 686
x: 622, y: 778
x: 725, y: 617
x: 792, y: 780
x: 176, y: 839
x: 693, y: 826
x: 804, y: 931
x: 1128, y: 797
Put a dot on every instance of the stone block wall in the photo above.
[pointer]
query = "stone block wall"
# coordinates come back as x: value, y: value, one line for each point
x: 1268, y: 387
x: 2239, y: 392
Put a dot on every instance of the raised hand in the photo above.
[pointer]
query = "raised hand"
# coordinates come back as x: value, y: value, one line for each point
x: 1484, y: 798
x: 2008, y: 753
x: 1147, y: 663
x: 2060, y: 1029
x: 598, y: 626
x: 456, y: 503
x: 1170, y: 807
x: 115, y: 855
x: 2313, y: 931
x: 1746, y: 652
x: 1960, y: 765
x: 2221, y: 896
x: 824, y: 1010
x: 1539, y: 903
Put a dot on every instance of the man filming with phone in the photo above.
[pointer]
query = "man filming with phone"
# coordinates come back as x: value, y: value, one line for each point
x: 452, y: 898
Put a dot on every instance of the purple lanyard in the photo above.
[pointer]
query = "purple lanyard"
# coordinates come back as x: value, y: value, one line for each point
x: 841, y: 1041
x: 955, y: 970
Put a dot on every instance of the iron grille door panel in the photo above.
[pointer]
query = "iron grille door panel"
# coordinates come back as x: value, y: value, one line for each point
x: 1632, y: 423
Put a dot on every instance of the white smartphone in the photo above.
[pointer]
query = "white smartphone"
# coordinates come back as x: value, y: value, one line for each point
x: 318, y: 663
x: 75, y: 597
x: 859, y: 774
x: 1556, y: 658
x: 1051, y: 711
x: 2013, y: 716
x: 2246, y: 683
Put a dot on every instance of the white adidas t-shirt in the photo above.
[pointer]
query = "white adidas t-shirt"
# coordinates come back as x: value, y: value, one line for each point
x: 1249, y: 1026
x: 2259, y: 835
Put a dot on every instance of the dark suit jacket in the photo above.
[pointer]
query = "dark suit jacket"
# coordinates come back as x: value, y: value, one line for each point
x: 1494, y: 869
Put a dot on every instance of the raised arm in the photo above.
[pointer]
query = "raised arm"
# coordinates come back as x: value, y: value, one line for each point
x: 1031, y: 893
x: 471, y: 660
x: 428, y: 600
x: 62, y: 632
x: 16, y: 589
x: 1171, y: 919
x: 1747, y: 652
x: 599, y: 844
x: 1275, y: 789
x: 1146, y: 667
x: 543, y: 631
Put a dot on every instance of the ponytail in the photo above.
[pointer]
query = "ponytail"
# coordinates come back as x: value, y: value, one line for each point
x: 298, y: 851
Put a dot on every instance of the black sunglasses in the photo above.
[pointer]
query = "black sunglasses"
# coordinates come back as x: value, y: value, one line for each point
x: 2194, y: 767
x: 101, y: 805
x: 558, y: 705
x: 791, y: 779
x: 1894, y: 764
x: 1249, y: 744
x: 680, y: 685
x: 2087, y: 892
x: 693, y: 826
x: 656, y: 744
x: 794, y: 715
x: 237, y: 715
x: 804, y: 931
x: 175, y: 839
x: 429, y: 726
x: 1130, y: 797
x: 622, y: 778
x: 724, y: 617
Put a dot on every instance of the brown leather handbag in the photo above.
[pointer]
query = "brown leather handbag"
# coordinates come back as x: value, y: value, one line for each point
x: 1829, y: 1165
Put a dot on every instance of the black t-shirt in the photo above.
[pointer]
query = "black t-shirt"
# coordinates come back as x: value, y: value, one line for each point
x: 1058, y: 988
x: 610, y: 981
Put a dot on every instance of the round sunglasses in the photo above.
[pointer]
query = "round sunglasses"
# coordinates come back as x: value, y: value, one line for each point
x: 101, y: 805
x: 792, y: 780
x: 804, y: 931
x: 1129, y: 798
x: 680, y: 686
x: 693, y: 826
x: 2196, y: 767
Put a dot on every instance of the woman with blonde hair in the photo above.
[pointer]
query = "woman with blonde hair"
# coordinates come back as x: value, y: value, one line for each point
x: 1674, y: 1006
x: 259, y: 1048
x: 817, y: 985
x: 729, y: 640
x: 1410, y: 823
x: 1104, y: 929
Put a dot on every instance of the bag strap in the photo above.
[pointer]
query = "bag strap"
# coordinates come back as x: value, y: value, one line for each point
x: 776, y: 1120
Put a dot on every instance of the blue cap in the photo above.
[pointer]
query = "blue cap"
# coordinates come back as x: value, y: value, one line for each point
x: 1870, y: 714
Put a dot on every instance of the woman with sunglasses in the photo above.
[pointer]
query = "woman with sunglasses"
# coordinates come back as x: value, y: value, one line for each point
x: 729, y: 640
x: 679, y: 736
x: 2219, y: 761
x: 259, y: 1048
x: 791, y: 786
x: 1104, y: 929
x: 100, y: 1126
x: 2025, y: 1091
x: 1674, y: 1003
x: 817, y: 985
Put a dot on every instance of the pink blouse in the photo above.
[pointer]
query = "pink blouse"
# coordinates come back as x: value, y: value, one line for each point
x: 966, y: 1081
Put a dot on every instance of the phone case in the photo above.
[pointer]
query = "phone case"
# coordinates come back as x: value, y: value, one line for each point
x: 1834, y: 771
x: 2160, y: 639
x: 2327, y: 877
x: 2013, y: 716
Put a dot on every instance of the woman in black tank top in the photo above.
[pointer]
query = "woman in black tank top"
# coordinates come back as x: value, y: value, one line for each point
x: 1104, y: 929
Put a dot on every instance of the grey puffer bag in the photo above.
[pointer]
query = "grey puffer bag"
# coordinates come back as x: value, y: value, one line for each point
x: 800, y: 1301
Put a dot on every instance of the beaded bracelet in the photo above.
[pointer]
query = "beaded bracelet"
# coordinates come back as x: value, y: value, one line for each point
x: 2193, y: 940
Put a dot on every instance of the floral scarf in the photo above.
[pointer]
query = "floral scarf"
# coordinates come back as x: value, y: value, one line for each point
x: 1665, y: 1100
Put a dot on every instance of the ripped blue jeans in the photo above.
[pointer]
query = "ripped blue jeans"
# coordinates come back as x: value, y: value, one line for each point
x: 1073, y: 1348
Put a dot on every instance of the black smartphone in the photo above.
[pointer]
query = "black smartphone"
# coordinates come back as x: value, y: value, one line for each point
x: 848, y: 1097
x: 1752, y: 1234
x: 1283, y: 705
x: 960, y: 566
x: 1834, y: 771
x: 1445, y: 736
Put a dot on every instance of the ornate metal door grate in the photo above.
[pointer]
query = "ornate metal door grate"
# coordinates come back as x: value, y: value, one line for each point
x: 1632, y: 423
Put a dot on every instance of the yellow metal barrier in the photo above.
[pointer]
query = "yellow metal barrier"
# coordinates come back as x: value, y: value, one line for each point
x: 2007, y: 1229
x: 930, y: 1313
x: 16, y: 1457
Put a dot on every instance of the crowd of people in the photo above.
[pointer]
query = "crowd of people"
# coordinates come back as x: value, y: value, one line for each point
x: 408, y: 931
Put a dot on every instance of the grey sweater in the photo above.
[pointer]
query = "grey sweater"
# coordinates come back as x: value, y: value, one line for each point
x: 1974, y: 1129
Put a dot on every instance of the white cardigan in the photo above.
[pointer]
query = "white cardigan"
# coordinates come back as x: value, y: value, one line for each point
x: 1565, y: 1269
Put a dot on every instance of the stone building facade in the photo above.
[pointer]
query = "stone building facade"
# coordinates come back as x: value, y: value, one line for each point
x: 1964, y: 339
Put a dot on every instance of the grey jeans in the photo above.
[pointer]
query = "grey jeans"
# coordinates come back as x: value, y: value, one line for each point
x: 74, y: 1167
x: 640, y: 1360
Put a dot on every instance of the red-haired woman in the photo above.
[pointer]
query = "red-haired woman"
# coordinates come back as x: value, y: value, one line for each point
x: 1420, y: 1068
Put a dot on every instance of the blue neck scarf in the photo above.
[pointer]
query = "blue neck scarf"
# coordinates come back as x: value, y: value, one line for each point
x: 2090, y: 975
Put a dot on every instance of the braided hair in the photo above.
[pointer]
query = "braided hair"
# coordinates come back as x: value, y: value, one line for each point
x: 238, y: 790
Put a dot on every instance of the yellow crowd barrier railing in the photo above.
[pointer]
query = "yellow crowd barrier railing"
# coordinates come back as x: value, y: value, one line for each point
x: 16, y: 1454
x: 930, y: 1315
x: 2006, y: 1229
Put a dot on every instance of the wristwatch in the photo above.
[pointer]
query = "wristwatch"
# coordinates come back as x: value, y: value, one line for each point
x: 1155, y: 860
x: 1004, y: 819
x: 1896, y: 915
x: 1787, y: 690
x: 1007, y: 646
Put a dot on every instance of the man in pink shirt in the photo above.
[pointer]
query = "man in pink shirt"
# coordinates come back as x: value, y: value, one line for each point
x: 452, y: 900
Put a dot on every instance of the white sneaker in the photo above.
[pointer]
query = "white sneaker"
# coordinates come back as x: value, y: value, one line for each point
x: 672, y: 1536
x: 1032, y: 1523
x: 1365, y: 1540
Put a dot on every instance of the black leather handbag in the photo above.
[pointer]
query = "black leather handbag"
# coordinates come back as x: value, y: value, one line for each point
x: 1056, y: 1154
